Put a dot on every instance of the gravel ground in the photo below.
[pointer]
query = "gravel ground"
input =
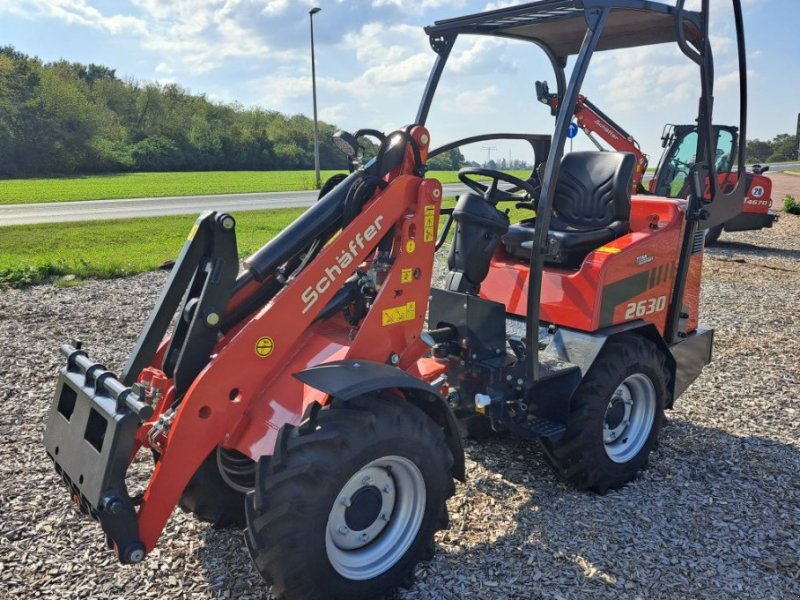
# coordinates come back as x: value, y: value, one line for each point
x: 717, y: 515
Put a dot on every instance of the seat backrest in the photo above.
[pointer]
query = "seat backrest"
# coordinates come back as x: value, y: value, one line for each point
x: 593, y: 190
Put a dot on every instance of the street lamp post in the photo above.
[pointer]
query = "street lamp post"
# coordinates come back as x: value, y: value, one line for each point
x: 311, y: 14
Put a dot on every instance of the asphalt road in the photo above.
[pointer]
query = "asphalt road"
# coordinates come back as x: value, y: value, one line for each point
x: 780, y: 167
x: 97, y: 210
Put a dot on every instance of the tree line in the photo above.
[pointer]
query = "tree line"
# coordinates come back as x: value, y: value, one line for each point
x: 65, y: 118
x: 62, y: 117
x: 783, y: 147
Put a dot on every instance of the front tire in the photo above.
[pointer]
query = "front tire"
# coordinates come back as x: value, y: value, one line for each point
x: 712, y: 234
x: 615, y: 417
x: 211, y: 499
x: 348, y: 504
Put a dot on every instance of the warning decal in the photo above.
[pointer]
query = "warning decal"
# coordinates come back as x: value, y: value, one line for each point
x: 399, y: 314
x: 264, y: 346
x: 430, y: 213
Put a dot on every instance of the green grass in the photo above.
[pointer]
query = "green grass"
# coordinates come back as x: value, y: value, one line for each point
x: 141, y: 185
x: 452, y: 176
x: 150, y: 185
x: 791, y: 205
x: 32, y: 254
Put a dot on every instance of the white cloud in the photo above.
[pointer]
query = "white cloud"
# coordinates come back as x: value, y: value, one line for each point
x: 722, y: 44
x: 377, y: 43
x: 275, y: 7
x: 730, y: 81
x: 417, y: 6
x: 201, y: 35
x: 275, y: 90
x: 502, y: 4
x: 76, y: 12
x: 394, y: 55
x: 470, y: 102
x: 334, y: 113
x: 478, y: 55
x: 193, y: 35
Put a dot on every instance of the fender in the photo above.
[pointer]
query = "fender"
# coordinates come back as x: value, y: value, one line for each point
x: 346, y: 379
x: 581, y: 349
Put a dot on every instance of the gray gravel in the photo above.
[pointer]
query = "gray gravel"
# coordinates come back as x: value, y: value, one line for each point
x: 717, y: 515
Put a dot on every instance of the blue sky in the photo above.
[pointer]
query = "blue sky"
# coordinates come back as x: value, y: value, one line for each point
x: 373, y: 60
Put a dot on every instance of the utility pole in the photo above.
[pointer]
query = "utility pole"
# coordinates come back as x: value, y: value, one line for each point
x: 311, y: 14
x: 798, y: 136
x: 488, y: 152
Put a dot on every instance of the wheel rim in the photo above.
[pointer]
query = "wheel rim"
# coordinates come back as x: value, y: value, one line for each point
x: 375, y: 518
x: 629, y: 418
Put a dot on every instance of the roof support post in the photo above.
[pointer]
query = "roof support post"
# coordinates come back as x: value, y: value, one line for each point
x: 595, y: 19
x: 442, y: 46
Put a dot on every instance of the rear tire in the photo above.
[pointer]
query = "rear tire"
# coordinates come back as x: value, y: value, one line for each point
x: 712, y: 234
x: 615, y: 417
x: 348, y: 504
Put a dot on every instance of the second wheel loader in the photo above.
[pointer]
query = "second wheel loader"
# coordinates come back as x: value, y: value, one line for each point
x: 671, y: 177
x: 317, y: 397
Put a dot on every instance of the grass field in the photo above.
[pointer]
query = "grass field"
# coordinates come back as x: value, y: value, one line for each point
x: 31, y: 254
x: 150, y: 185
x: 35, y: 253
x: 142, y: 185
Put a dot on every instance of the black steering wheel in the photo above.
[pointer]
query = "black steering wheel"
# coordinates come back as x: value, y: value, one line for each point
x: 492, y: 193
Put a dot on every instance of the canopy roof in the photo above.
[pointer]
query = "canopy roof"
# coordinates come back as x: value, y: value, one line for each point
x: 561, y: 26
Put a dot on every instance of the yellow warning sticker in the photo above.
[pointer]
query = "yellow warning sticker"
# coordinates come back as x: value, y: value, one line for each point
x: 411, y: 245
x: 193, y: 232
x: 609, y: 250
x: 430, y: 213
x: 406, y: 275
x: 264, y: 346
x: 398, y: 314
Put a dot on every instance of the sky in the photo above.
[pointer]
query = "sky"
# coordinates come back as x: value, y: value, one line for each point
x: 373, y: 59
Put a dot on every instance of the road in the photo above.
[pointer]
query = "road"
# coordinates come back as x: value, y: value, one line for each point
x: 97, y: 210
x: 779, y: 167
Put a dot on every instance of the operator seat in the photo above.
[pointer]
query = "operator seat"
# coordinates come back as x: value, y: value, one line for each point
x: 592, y: 207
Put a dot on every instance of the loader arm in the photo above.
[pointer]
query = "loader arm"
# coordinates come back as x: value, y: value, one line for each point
x: 217, y: 379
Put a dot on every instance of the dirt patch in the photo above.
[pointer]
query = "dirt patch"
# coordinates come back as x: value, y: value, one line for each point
x: 782, y: 184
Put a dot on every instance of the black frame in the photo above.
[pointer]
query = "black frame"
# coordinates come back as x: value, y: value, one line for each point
x: 700, y: 214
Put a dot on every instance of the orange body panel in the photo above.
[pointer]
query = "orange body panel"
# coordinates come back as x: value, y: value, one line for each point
x: 614, y: 282
x: 245, y: 408
x: 758, y: 198
x: 277, y: 403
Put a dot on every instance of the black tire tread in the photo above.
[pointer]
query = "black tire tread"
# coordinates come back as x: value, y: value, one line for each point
x: 577, y: 458
x: 285, y: 489
x: 712, y: 235
x: 211, y: 499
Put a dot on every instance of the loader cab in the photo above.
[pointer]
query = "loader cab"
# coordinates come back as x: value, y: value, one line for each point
x: 671, y: 179
x: 571, y: 263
